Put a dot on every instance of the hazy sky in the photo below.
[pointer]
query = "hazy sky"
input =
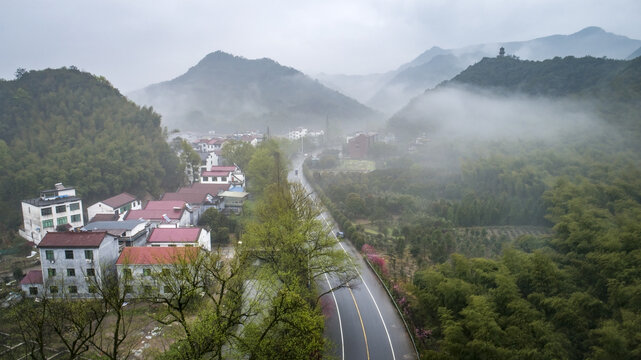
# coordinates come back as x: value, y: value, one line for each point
x: 138, y: 42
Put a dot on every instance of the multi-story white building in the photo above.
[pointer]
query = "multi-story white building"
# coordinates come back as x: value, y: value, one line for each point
x: 54, y: 208
x: 116, y: 205
x: 297, y: 133
x: 72, y: 261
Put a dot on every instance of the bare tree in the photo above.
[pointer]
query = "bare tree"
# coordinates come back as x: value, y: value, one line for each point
x: 113, y: 293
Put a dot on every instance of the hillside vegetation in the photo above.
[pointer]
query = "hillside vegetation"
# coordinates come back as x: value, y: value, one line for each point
x: 551, y: 146
x: 68, y: 126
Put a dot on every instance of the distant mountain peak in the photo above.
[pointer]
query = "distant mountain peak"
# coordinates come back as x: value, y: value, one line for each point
x: 590, y: 30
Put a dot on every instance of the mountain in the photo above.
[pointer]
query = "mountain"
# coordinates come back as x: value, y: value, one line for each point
x: 436, y: 64
x: 612, y: 88
x: 228, y: 93
x: 63, y: 125
x: 635, y: 54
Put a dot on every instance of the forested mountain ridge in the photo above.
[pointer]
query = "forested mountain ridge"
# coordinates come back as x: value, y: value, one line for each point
x: 229, y: 93
x: 607, y: 87
x: 436, y: 64
x: 63, y: 125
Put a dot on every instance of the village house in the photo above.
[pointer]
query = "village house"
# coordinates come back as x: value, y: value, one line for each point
x: 72, y: 262
x: 116, y: 205
x: 199, y: 201
x: 231, y: 175
x: 180, y: 237
x: 58, y: 207
x: 31, y: 284
x: 163, y: 212
x: 234, y: 201
x: 128, y: 232
x: 137, y: 267
x: 357, y: 146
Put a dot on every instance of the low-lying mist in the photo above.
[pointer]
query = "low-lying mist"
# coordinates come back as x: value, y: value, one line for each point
x: 462, y: 114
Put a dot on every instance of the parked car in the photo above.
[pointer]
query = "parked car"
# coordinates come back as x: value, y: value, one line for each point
x: 340, y: 235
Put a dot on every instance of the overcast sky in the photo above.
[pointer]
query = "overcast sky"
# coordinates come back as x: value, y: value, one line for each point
x: 138, y: 42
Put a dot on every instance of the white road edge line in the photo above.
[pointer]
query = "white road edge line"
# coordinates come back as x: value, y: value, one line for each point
x: 389, y: 339
x: 340, y: 322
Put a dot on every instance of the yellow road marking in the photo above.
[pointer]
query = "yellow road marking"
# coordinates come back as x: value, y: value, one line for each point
x: 362, y: 325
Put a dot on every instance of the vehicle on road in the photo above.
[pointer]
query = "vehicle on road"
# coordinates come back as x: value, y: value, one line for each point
x: 340, y: 235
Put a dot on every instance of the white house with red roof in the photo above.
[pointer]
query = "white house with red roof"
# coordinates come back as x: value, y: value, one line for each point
x: 180, y: 237
x: 31, y: 284
x: 137, y: 266
x: 173, y: 213
x: 231, y: 175
x: 72, y: 261
x: 116, y: 205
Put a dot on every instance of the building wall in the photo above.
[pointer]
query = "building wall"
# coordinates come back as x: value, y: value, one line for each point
x: 138, y: 280
x: 104, y: 258
x: 33, y: 219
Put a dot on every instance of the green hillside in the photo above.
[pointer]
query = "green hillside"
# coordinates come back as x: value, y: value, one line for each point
x: 68, y: 126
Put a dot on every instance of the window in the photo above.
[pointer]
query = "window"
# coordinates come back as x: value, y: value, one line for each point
x: 74, y: 206
x: 33, y: 290
x: 89, y: 254
x: 62, y: 220
x: 172, y: 245
x: 47, y: 224
x: 189, y: 245
x: 146, y: 272
x: 166, y: 289
x: 155, y: 245
x: 205, y: 179
x: 45, y: 211
x: 128, y: 289
x: 224, y: 178
x: 92, y: 289
x: 51, y: 272
x: 49, y: 255
x: 91, y: 272
x: 68, y: 254
x: 147, y: 289
x: 165, y: 272
x: 60, y: 209
x: 53, y: 289
x: 71, y: 272
x: 75, y: 218
x: 126, y: 273
x: 73, y: 289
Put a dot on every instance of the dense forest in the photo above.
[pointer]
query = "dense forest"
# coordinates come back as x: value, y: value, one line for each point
x: 510, y: 247
x: 64, y: 125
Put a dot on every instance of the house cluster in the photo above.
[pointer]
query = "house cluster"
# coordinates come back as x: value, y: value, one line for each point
x: 301, y: 132
x: 121, y: 234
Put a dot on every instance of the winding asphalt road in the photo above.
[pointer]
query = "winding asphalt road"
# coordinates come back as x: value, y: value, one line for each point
x: 361, y: 320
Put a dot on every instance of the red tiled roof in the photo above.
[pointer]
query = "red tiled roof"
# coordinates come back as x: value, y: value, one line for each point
x: 190, y: 198
x: 216, y: 141
x: 32, y: 277
x: 198, y: 188
x: 172, y: 235
x: 155, y: 255
x: 73, y: 239
x: 154, y: 214
x: 215, y: 173
x: 223, y: 168
x: 119, y: 200
x: 164, y: 204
